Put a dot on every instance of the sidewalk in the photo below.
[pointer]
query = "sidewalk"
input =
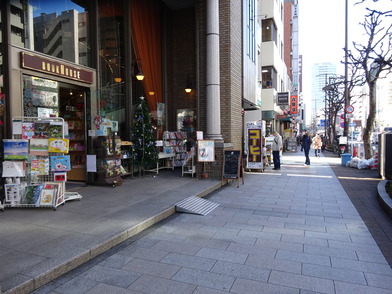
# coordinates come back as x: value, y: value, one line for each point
x: 292, y: 231
x: 38, y: 245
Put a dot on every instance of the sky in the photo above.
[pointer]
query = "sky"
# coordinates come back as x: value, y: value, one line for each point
x: 50, y: 6
x: 322, y: 33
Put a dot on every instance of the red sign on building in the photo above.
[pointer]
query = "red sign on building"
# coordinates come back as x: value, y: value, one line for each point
x: 294, y: 104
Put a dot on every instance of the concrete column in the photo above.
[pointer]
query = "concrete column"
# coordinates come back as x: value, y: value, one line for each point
x: 212, y: 72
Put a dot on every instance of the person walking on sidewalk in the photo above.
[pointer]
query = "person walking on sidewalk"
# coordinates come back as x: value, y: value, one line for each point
x: 305, y: 146
x: 277, y: 146
x: 317, y: 143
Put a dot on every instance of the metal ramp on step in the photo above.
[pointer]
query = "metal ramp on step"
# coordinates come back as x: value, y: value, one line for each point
x: 196, y: 205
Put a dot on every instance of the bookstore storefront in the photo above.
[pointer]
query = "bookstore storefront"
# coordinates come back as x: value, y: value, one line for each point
x: 50, y: 88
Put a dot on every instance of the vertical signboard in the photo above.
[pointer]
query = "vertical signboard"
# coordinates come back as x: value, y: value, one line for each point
x: 255, y: 140
x: 294, y: 104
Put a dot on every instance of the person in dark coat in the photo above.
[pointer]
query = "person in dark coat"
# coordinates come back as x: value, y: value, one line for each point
x: 305, y: 146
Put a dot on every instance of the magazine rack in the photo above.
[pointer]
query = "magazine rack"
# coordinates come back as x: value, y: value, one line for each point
x: 37, y: 168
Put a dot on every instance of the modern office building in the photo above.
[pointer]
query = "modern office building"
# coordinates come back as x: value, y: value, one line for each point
x: 320, y: 77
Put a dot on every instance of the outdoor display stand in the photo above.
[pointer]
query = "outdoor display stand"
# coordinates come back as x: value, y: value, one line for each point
x: 35, y: 163
x: 206, y: 155
x: 127, y: 158
x: 232, y: 166
x: 109, y: 157
x: 174, y: 143
x: 188, y: 166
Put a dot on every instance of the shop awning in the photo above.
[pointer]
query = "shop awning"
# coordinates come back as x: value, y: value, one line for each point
x: 247, y: 105
x: 283, y: 117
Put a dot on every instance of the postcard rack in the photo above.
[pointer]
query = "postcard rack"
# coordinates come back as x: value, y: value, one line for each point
x: 35, y: 163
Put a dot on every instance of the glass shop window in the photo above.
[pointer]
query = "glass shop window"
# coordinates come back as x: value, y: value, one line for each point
x: 40, y: 97
x: 112, y: 28
x: 57, y: 28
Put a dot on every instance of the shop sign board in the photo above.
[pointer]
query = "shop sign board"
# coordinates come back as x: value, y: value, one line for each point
x: 293, y: 104
x: 232, y: 164
x: 283, y: 98
x: 56, y: 68
x: 255, y: 154
x: 281, y: 116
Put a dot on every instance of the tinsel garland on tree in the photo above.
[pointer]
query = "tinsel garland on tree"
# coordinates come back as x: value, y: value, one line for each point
x: 145, y: 152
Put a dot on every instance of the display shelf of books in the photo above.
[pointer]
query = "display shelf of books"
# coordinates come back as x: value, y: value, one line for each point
x: 76, y: 136
x: 174, y: 142
x: 35, y: 163
x: 109, y: 160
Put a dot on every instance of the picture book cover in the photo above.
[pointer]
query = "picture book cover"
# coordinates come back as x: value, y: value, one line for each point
x: 46, y: 129
x: 12, y: 192
x: 32, y: 194
x: 16, y: 149
x: 58, y: 145
x: 27, y: 130
x: 47, y: 197
x: 60, y: 176
x: 39, y: 147
x: 60, y: 163
x: 58, y: 187
x: 40, y: 166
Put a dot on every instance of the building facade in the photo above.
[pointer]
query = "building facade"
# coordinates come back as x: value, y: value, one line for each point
x: 80, y: 59
x: 280, y: 64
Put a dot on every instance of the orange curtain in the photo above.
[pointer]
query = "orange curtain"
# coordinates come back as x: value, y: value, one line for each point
x: 145, y: 19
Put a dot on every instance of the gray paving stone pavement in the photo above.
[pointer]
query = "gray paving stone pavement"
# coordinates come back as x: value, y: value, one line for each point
x: 295, y: 230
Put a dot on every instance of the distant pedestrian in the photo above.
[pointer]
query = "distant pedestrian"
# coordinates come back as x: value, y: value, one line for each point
x: 305, y: 146
x: 317, y: 144
x: 322, y: 142
x: 277, y: 147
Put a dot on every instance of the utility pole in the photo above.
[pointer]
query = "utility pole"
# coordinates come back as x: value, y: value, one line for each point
x: 346, y: 94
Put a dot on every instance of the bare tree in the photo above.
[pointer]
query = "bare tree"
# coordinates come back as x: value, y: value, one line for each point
x: 335, y: 103
x: 374, y: 58
x: 335, y: 97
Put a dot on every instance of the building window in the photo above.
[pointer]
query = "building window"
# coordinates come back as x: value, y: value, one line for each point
x: 269, y: 76
x: 269, y: 32
x: 50, y: 29
x: 111, y: 29
x: 250, y: 29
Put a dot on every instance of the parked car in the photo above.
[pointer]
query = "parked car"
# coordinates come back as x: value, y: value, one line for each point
x: 388, y: 129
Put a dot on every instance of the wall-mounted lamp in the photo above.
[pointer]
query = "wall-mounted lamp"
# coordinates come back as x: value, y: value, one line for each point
x: 188, y: 87
x: 151, y: 93
x: 117, y: 80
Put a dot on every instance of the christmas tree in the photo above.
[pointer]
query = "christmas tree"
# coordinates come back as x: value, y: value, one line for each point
x: 145, y: 151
